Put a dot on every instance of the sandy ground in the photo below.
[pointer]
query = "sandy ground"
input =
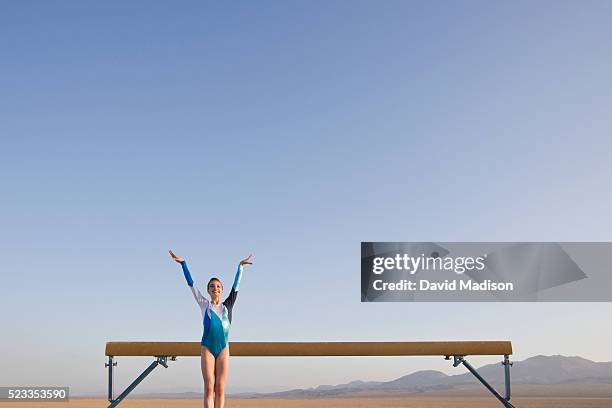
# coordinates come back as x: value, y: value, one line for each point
x: 421, y: 402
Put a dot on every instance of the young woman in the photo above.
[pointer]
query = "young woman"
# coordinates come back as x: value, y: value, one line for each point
x: 217, y: 317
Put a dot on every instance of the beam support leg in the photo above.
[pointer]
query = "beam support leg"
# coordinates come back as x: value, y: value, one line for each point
x: 505, y: 401
x: 507, y: 364
x: 110, y: 366
x: 134, y: 384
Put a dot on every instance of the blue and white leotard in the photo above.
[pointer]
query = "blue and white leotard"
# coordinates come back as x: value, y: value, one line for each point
x: 217, y: 318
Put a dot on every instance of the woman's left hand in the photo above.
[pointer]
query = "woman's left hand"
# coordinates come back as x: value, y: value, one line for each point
x: 247, y: 261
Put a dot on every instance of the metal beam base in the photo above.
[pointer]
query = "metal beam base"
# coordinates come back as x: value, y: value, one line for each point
x: 160, y: 360
x: 506, y: 363
x: 163, y: 360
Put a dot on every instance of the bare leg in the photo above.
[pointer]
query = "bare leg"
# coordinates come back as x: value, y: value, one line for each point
x: 221, y: 370
x: 208, y: 374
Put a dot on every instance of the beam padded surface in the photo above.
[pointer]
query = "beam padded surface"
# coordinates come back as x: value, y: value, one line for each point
x: 422, y: 348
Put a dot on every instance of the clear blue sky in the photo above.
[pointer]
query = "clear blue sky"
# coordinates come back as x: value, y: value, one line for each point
x: 293, y: 130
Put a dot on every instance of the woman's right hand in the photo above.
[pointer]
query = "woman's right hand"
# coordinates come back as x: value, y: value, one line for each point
x: 176, y: 258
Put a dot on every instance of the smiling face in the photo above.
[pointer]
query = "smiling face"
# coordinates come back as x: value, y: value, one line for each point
x: 215, y: 288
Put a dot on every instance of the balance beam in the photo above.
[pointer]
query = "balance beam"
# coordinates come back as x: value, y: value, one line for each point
x: 161, y: 351
x: 282, y: 349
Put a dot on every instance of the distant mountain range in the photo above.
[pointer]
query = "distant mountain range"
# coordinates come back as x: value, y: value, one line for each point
x: 536, y: 376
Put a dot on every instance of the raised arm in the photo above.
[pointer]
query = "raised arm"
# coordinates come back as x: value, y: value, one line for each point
x: 202, y: 301
x: 231, y: 298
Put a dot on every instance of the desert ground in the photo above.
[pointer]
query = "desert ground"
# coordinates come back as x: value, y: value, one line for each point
x: 420, y: 402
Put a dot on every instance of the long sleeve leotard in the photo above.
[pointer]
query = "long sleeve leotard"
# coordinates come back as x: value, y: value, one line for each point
x: 216, y: 318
